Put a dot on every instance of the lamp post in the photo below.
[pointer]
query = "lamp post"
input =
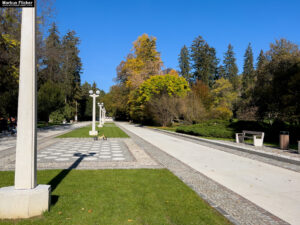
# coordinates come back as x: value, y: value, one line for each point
x: 93, y: 132
x: 100, y: 112
x: 104, y: 115
x: 26, y: 199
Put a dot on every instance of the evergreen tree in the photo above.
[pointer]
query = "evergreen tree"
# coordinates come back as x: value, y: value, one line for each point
x: 52, y: 57
x: 220, y: 72
x: 230, y: 67
x: 204, y: 61
x: 261, y: 60
x: 248, y: 70
x: 184, y: 64
x: 71, y: 66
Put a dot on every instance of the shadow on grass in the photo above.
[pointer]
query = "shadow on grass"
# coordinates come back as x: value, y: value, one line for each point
x: 62, y: 175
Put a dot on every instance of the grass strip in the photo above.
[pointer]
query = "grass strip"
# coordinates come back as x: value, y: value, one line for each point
x: 110, y: 130
x: 114, y: 197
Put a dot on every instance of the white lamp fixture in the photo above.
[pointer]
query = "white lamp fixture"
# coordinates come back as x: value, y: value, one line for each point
x: 93, y: 132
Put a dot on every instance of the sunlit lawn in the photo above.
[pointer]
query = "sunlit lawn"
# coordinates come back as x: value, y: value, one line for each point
x: 110, y: 130
x: 118, y: 197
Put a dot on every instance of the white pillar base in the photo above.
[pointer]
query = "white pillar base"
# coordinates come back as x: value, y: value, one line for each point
x: 15, y: 204
x: 93, y: 133
x: 100, y: 125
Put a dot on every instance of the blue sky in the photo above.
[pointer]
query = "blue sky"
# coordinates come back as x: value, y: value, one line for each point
x: 108, y: 28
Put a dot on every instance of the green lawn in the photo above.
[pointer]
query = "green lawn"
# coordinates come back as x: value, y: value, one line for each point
x: 119, y: 197
x: 110, y: 130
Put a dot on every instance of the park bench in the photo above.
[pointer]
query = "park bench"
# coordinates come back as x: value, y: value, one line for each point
x: 258, y: 137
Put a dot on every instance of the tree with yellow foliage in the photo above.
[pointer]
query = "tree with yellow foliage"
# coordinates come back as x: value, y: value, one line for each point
x: 143, y: 62
x: 224, y: 98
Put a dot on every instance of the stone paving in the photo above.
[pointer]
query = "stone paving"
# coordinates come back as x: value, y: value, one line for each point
x: 89, y: 150
x: 85, y: 153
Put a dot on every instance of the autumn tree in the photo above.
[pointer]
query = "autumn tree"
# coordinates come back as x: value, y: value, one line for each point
x: 147, y: 99
x: 224, y: 99
x: 9, y: 61
x: 143, y: 62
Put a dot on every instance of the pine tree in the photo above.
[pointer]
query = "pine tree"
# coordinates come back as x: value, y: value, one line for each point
x: 248, y: 70
x: 52, y: 58
x: 230, y: 67
x: 71, y: 65
x: 184, y: 64
x: 204, y: 61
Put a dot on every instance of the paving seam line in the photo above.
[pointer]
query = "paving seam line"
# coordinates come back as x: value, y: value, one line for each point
x: 263, y: 154
x: 217, y: 207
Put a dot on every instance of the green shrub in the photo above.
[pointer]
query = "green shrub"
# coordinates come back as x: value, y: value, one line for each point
x: 212, y: 128
x: 57, y: 116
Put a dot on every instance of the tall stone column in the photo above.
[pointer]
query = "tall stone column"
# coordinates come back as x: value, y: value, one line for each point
x: 26, y: 199
x: 25, y: 172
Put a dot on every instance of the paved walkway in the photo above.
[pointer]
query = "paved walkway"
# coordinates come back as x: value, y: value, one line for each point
x: 273, y: 188
x: 42, y: 133
x: 70, y: 150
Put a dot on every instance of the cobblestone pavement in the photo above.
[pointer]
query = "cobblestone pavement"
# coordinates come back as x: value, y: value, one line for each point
x: 236, y: 208
x: 271, y: 161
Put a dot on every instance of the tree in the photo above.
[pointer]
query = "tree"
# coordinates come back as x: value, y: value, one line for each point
x: 116, y: 102
x: 230, y: 67
x: 204, y: 61
x: 52, y: 59
x: 248, y: 71
x: 184, y: 64
x: 70, y: 71
x: 9, y: 61
x: 50, y: 99
x: 277, y: 97
x: 143, y: 62
x: 146, y: 99
x: 224, y: 98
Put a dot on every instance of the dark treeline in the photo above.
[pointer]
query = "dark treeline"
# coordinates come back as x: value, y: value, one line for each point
x: 266, y: 91
x: 60, y: 93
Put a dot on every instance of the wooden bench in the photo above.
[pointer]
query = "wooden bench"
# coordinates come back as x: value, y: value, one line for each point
x: 258, y: 137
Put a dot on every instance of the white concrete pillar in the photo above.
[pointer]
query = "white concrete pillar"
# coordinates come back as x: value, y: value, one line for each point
x: 94, y: 114
x: 26, y: 199
x: 25, y: 171
x: 100, y: 119
x: 93, y: 132
x: 104, y: 115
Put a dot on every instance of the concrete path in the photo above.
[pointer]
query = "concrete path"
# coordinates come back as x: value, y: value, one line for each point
x: 274, y: 189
